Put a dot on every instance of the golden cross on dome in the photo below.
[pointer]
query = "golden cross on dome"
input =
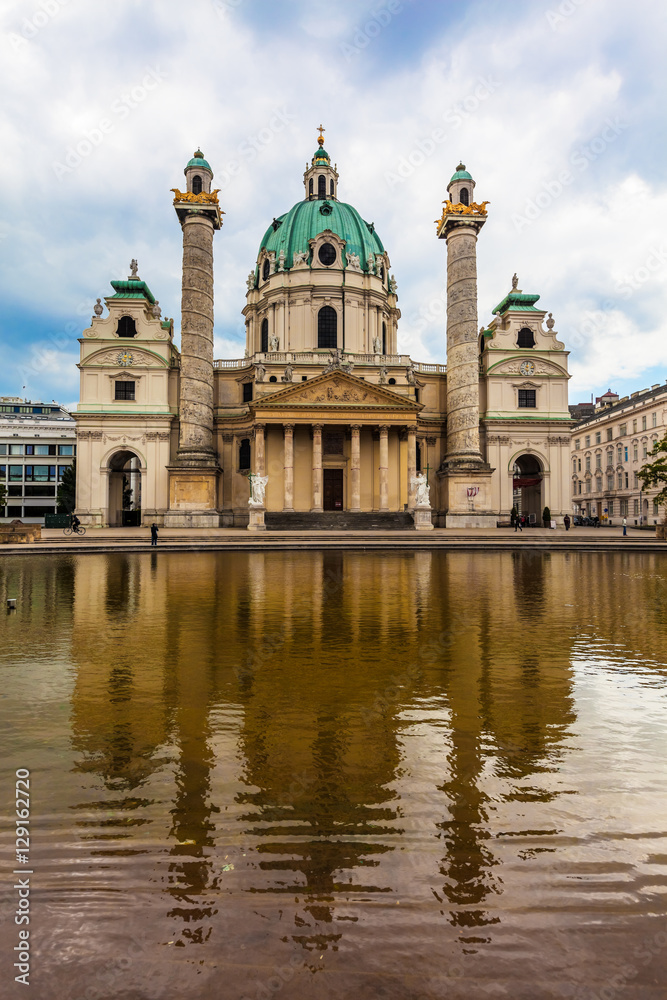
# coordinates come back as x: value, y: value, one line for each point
x: 321, y: 129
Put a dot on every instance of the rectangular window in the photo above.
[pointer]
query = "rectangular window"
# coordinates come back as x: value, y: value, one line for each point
x: 598, y: 461
x: 527, y: 398
x: 598, y: 485
x: 610, y: 508
x: 16, y: 449
x: 577, y: 444
x: 627, y: 480
x: 15, y: 491
x: 45, y: 449
x: 588, y: 463
x: 625, y: 454
x: 125, y: 390
x: 3, y: 471
x: 247, y: 392
x: 623, y: 430
x: 654, y: 419
x: 587, y: 442
x: 610, y: 482
x: 39, y: 511
x: 40, y: 491
x: 634, y: 426
x: 61, y: 472
x: 588, y: 486
x: 15, y: 473
x: 13, y: 511
x: 635, y: 506
x: 30, y: 449
x: 40, y: 473
x: 3, y: 449
x: 619, y: 452
x: 598, y: 437
x: 610, y: 433
x: 636, y: 481
x: 644, y: 422
x: 655, y: 509
x: 624, y: 508
x: 580, y: 486
x: 619, y: 480
x: 635, y: 453
x: 68, y: 449
x: 610, y: 457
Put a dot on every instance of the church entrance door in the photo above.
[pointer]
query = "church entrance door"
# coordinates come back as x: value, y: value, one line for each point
x: 333, y: 489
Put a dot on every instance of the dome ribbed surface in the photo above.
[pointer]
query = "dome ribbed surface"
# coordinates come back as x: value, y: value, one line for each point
x: 305, y: 221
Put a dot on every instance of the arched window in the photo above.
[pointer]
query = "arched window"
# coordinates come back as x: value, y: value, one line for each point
x: 266, y: 269
x: 310, y: 188
x: 381, y: 272
x: 327, y: 327
x: 321, y: 187
x: 331, y: 188
x: 196, y: 184
x: 525, y: 338
x: 481, y: 344
x: 465, y: 197
x: 384, y: 338
x: 272, y: 378
x: 418, y: 456
x: 126, y: 327
x: 244, y: 454
x: 265, y: 336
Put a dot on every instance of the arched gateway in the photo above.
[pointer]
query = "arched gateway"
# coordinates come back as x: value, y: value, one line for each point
x: 527, y: 480
x: 124, y: 489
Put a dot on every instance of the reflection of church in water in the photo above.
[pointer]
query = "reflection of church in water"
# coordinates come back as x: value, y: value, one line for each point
x: 322, y: 783
x: 323, y: 403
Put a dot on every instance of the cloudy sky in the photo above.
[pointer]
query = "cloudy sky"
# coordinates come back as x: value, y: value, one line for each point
x: 556, y: 109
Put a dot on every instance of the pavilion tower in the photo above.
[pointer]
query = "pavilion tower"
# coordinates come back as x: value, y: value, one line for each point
x: 193, y: 478
x: 464, y: 472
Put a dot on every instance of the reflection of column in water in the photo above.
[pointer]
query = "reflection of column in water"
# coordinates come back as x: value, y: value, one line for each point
x: 317, y: 592
x: 423, y: 566
x: 353, y: 567
x: 256, y: 619
x: 286, y: 598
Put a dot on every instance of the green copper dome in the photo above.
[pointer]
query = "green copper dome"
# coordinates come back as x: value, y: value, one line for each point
x: 307, y: 219
x: 461, y: 174
x: 199, y: 161
x: 321, y: 154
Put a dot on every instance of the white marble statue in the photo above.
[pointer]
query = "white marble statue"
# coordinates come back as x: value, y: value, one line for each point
x: 300, y: 257
x: 288, y: 375
x: 410, y: 375
x: 393, y: 285
x: 370, y: 263
x: 274, y: 342
x: 377, y: 345
x: 258, y: 487
x: 281, y: 260
x: 353, y: 261
x: 250, y: 281
x: 260, y: 372
x: 383, y: 376
x: 419, y: 484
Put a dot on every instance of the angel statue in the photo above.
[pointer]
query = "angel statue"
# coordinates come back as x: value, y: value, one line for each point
x: 419, y: 484
x: 258, y: 487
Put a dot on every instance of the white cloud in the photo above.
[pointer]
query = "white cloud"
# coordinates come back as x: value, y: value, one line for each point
x: 518, y: 101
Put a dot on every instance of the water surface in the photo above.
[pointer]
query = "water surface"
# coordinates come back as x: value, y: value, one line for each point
x: 335, y: 775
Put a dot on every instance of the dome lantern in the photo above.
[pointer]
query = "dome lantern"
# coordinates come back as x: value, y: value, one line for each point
x: 198, y: 174
x: 461, y: 187
x: 321, y: 179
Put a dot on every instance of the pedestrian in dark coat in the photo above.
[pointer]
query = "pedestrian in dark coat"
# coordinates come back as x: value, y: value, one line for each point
x: 566, y: 522
x: 153, y: 534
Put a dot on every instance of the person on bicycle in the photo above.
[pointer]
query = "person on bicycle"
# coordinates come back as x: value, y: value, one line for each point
x: 74, y: 522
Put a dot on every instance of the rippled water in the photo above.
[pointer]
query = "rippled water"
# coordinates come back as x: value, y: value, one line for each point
x: 339, y: 775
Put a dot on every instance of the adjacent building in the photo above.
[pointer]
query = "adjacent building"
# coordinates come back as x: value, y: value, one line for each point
x: 323, y: 403
x: 37, y: 444
x: 609, y: 447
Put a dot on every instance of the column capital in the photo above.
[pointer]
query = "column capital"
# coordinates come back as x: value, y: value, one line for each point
x: 384, y: 428
x: 317, y: 427
x: 288, y: 428
x: 260, y: 427
x: 356, y: 427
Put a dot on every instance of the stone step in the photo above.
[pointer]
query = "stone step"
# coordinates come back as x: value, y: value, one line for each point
x: 338, y: 521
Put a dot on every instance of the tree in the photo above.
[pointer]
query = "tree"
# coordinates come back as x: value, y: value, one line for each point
x: 655, y: 473
x: 3, y: 495
x: 546, y: 517
x: 66, y: 497
x: 127, y: 493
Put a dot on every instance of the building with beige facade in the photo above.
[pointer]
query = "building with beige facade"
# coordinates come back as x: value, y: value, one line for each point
x: 323, y: 409
x: 609, y: 447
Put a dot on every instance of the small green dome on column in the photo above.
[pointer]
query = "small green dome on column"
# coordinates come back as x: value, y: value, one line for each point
x: 199, y: 161
x: 461, y: 174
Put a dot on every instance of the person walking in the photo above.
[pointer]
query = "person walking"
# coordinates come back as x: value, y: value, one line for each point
x: 517, y: 523
x: 625, y: 526
x: 154, y: 533
x: 566, y: 522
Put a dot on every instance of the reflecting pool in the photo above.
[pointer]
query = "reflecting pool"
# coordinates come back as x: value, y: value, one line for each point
x: 338, y: 774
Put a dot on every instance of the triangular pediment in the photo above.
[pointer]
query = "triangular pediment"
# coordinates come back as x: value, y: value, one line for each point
x: 337, y: 389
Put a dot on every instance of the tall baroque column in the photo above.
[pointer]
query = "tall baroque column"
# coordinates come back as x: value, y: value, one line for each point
x: 384, y: 467
x: 194, y: 474
x: 467, y: 475
x: 355, y: 468
x: 317, y: 468
x: 260, y: 450
x: 412, y: 464
x: 288, y: 502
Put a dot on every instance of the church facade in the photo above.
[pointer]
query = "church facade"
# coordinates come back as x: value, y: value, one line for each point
x: 323, y: 406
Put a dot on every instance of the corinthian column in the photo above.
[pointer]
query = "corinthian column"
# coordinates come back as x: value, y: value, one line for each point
x: 288, y: 503
x: 412, y: 464
x: 384, y: 468
x: 355, y: 469
x: 259, y: 450
x: 317, y: 467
